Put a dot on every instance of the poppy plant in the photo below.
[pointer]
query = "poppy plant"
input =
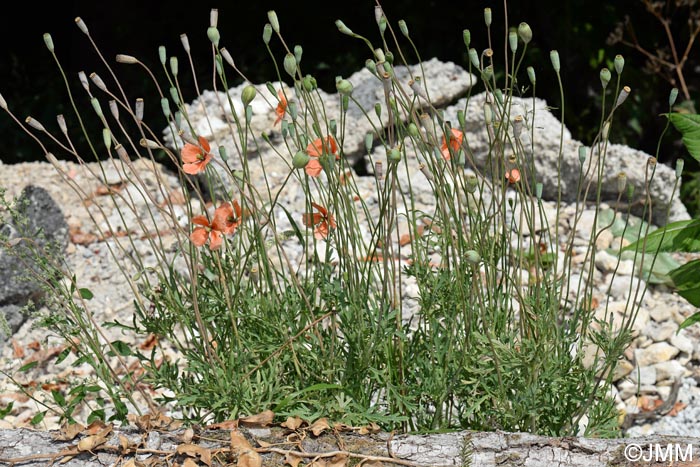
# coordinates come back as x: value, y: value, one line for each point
x: 322, y: 221
x: 316, y: 149
x: 456, y: 138
x: 195, y: 158
x: 227, y: 218
x: 281, y: 107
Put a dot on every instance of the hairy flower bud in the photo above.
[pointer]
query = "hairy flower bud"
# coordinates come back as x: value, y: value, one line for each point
x: 467, y: 37
x: 605, y: 77
x: 679, y: 167
x: 185, y: 43
x: 213, y: 35
x: 290, y: 64
x: 472, y: 257
x: 267, y: 33
x: 474, y: 58
x: 248, y: 94
x: 513, y: 41
x: 525, y: 32
x: 487, y: 16
x: 582, y: 154
x: 162, y: 55
x: 173, y: 65
x: 128, y: 59
x: 394, y: 155
x: 403, y: 27
x: 344, y: 87
x: 274, y: 22
x: 342, y: 28
x: 369, y: 142
x: 165, y: 106
x: 107, y: 137
x: 554, y: 57
x: 672, y: 97
x: 300, y: 159
x: 531, y: 75
x: 82, y: 26
x: 48, y: 40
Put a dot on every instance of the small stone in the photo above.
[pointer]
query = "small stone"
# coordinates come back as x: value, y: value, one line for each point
x: 622, y: 369
x: 682, y: 342
x: 627, y: 389
x: 659, y: 332
x: 655, y: 353
x: 604, y: 240
x: 645, y: 375
x: 661, y: 313
x: 671, y: 369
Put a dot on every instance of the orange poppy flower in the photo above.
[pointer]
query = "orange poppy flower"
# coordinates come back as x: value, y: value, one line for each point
x: 195, y: 158
x: 227, y: 219
x: 317, y: 148
x: 322, y: 221
x: 281, y: 107
x: 513, y: 176
x: 456, y: 139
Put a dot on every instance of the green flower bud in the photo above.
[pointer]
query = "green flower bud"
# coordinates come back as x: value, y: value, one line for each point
x: 460, y: 118
x: 413, y: 130
x: 369, y: 141
x: 467, y: 36
x: 298, y: 51
x: 378, y: 110
x: 487, y: 73
x: 472, y: 257
x: 472, y: 183
x: 474, y: 58
x: 554, y: 57
x: 248, y: 94
x: 538, y: 190
x: 498, y: 93
x: 630, y: 191
x: 274, y: 22
x: 582, y: 154
x: 513, y: 41
x: 487, y: 16
x: 342, y: 28
x: 309, y: 83
x: 175, y: 95
x: 525, y: 32
x: 290, y: 64
x: 394, y: 155
x: 300, y: 160
x: 344, y: 87
x: 605, y: 77
x: 403, y: 27
x: 672, y: 97
x: 162, y: 55
x: 679, y: 167
x: 382, y: 25
x: 345, y: 102
x: 213, y: 35
x: 621, y: 182
x: 165, y: 106
x: 267, y: 33
x: 390, y: 57
x: 248, y: 114
x: 293, y: 109
x: 371, y: 66
x: 173, y: 66
x: 531, y: 75
x: 107, y: 137
x: 223, y: 153
x: 605, y: 132
x: 48, y: 40
x: 619, y: 64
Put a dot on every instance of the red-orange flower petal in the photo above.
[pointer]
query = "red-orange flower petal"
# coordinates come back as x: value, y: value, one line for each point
x: 215, y: 240
x: 456, y: 139
x: 313, y: 168
x: 317, y: 147
x: 196, y: 158
x: 200, y: 220
x: 199, y: 236
x: 513, y: 176
x: 281, y: 107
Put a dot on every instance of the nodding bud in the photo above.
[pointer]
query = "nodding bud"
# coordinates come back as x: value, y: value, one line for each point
x: 344, y: 87
x: 95, y: 78
x: 290, y: 64
x: 472, y: 257
x: 623, y: 95
x: 274, y: 22
x: 81, y: 25
x: 467, y: 37
x: 107, y: 137
x: 417, y: 89
x: 403, y: 27
x: 518, y: 125
x: 114, y: 109
x: 619, y: 64
x: 538, y: 190
x: 34, y: 124
x: 605, y: 77
x: 474, y: 58
x: 147, y: 143
x: 487, y: 16
x: 267, y: 33
x: 672, y: 97
x: 379, y: 170
x: 394, y: 155
x: 248, y: 94
x: 173, y: 65
x: 679, y: 167
x: 62, y: 123
x: 122, y: 58
x: 97, y: 107
x: 48, y: 40
x: 298, y: 52
x: 185, y: 43
x: 487, y: 73
x: 213, y: 35
x: 525, y: 32
x: 371, y: 66
x: 300, y: 160
x: 342, y: 28
x: 165, y: 106
x: 621, y: 182
x: 139, y: 109
x: 3, y: 103
x: 554, y: 57
x: 84, y: 81
x: 214, y: 18
x: 531, y: 75
x: 513, y: 41
x: 162, y: 55
x: 582, y: 154
x: 227, y: 56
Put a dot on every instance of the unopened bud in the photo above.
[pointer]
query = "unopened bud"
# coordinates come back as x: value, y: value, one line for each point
x: 227, y: 56
x: 248, y: 94
x: 139, y: 109
x: 82, y: 26
x: 107, y: 137
x: 223, y: 153
x: 538, y: 190
x: 298, y: 52
x: 175, y: 96
x: 214, y: 18
x: 672, y: 97
x: 679, y: 167
x: 428, y: 126
x: 300, y: 160
x: 378, y: 14
x: 488, y: 114
x: 619, y: 64
x: 472, y: 183
x: 369, y: 142
x: 344, y: 87
x: 267, y: 33
x: 606, y: 131
x: 97, y: 107
x: 147, y: 143
x: 531, y: 75
x: 403, y: 27
x: 582, y: 154
x: 467, y: 37
x: 371, y: 66
x: 310, y: 83
x: 413, y: 130
x: 378, y: 110
x: 342, y: 28
x: 379, y: 54
x: 48, y: 40
x: 128, y: 59
x: 513, y: 41
x: 165, y: 106
x: 605, y: 77
x: 95, y: 78
x: 487, y: 16
x: 394, y: 155
x: 185, y: 43
x: 162, y: 55
x: 554, y: 57
x: 173, y: 65
x: 623, y: 95
x: 290, y: 64
x: 525, y: 32
x: 62, y: 123
x: 34, y: 124
x: 474, y: 58
x: 114, y: 109
x: 487, y: 73
x: 472, y: 257
x: 3, y: 103
x: 621, y: 182
x: 213, y: 35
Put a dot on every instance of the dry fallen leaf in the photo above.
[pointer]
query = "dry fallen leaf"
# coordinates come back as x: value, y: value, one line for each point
x: 339, y: 460
x: 225, y: 425
x: 193, y: 450
x: 17, y: 350
x: 239, y: 442
x: 292, y: 459
x: 648, y: 404
x: 369, y: 429
x: 69, y: 432
x: 677, y: 407
x: 247, y: 456
x: 319, y: 426
x: 96, y: 427
x: 91, y: 442
x: 264, y: 418
x: 190, y: 463
x: 293, y: 423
